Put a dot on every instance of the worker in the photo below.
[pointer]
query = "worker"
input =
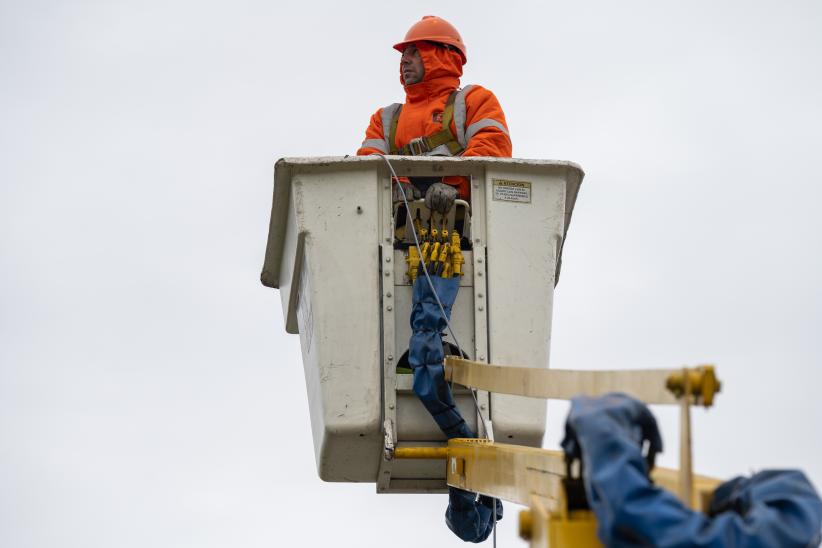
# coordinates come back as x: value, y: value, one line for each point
x: 607, y: 433
x: 438, y: 118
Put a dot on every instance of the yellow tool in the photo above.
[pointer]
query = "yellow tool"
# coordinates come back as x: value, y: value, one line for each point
x: 443, y: 256
x: 435, y: 246
x: 457, y: 259
x: 413, y: 260
x: 424, y: 245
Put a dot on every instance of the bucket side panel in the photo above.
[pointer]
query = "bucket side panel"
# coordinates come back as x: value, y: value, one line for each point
x: 338, y: 316
x: 525, y: 219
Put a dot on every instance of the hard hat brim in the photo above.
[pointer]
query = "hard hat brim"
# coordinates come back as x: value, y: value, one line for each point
x: 437, y: 39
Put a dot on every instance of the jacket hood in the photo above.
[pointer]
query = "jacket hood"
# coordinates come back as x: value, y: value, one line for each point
x: 443, y: 69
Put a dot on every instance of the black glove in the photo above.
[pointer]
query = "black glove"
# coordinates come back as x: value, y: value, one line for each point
x: 411, y: 192
x: 440, y: 197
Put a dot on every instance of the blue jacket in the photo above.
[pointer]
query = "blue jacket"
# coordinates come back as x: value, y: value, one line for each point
x: 774, y: 508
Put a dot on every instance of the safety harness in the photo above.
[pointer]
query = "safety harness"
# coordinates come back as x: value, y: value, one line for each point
x: 440, y: 143
x: 423, y: 145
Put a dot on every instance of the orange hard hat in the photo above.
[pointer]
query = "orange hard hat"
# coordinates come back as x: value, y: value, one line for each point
x: 434, y: 29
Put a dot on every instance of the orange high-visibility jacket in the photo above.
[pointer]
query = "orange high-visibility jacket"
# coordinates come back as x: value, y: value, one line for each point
x: 480, y: 124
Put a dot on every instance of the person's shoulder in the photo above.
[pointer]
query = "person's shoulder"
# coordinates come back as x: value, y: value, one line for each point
x: 378, y: 113
x: 387, y: 108
x: 472, y: 88
x: 477, y: 92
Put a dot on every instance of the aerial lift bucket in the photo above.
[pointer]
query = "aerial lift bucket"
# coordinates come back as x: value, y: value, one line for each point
x: 337, y: 252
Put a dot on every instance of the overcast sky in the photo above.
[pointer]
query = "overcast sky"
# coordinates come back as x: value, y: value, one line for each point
x: 149, y: 395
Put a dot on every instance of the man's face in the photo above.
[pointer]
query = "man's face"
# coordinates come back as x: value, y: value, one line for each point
x: 411, y: 65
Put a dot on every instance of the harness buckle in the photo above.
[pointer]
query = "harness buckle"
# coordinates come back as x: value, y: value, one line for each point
x: 418, y: 146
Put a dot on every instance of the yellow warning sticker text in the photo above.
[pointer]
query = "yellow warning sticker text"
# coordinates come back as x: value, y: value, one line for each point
x: 512, y: 191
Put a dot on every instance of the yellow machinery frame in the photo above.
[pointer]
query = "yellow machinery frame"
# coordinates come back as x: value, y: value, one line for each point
x: 532, y: 476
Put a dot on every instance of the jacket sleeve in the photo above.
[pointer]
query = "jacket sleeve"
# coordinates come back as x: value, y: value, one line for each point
x: 374, y: 139
x: 772, y: 508
x: 486, y: 130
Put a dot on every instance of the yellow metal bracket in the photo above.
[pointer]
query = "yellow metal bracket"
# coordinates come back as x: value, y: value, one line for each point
x: 421, y: 452
x: 533, y: 477
x: 699, y: 382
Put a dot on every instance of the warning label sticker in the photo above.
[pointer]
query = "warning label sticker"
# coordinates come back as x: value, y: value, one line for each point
x: 512, y: 191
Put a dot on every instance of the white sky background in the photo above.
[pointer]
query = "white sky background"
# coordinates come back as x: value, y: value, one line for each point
x: 149, y: 395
